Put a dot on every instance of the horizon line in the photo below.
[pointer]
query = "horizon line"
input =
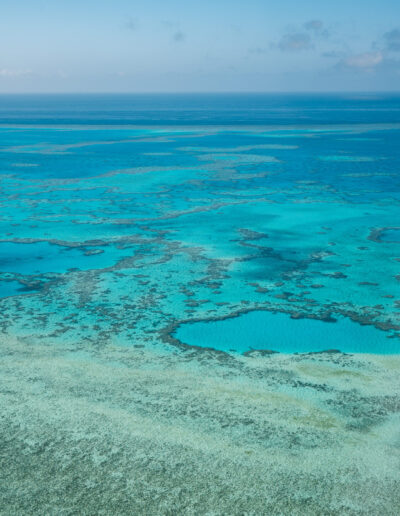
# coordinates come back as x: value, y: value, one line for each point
x: 232, y: 92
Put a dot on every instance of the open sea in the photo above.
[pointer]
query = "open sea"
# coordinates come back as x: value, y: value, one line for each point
x: 216, y: 280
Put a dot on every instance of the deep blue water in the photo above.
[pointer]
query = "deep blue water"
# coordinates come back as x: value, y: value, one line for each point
x: 124, y: 215
x: 200, y: 109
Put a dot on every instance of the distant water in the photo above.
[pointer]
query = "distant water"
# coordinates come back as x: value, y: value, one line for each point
x: 123, y: 216
x: 200, y: 109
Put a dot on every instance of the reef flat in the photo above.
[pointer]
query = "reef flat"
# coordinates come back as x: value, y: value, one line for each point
x: 203, y: 318
x: 122, y: 430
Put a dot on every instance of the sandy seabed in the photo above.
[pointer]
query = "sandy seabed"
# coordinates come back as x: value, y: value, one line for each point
x: 131, y: 431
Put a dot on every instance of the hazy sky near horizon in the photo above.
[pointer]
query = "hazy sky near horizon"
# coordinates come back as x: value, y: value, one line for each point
x: 199, y: 45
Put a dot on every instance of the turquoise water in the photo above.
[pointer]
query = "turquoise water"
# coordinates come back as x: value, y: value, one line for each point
x: 124, y: 216
x: 10, y: 288
x: 391, y: 235
x: 133, y: 230
x: 278, y: 332
x: 37, y: 258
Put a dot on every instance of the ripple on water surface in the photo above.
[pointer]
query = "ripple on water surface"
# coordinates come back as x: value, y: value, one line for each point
x: 279, y: 332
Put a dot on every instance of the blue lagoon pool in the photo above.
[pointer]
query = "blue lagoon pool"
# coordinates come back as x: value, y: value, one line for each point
x: 262, y: 330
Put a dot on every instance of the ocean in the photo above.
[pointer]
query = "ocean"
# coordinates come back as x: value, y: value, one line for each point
x: 207, y: 206
x: 200, y: 303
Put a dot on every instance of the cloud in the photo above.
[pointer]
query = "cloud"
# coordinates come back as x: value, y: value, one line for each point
x: 364, y: 61
x: 304, y: 37
x: 335, y: 54
x: 131, y: 24
x: 62, y: 74
x: 178, y: 36
x: 257, y: 50
x: 314, y: 25
x: 378, y: 58
x: 392, y: 40
x: 8, y: 72
x: 295, y: 42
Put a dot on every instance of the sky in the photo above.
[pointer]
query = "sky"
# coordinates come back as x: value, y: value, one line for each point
x: 199, y: 45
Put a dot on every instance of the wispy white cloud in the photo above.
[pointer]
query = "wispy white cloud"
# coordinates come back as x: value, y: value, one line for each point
x: 257, y: 50
x: 131, y: 24
x: 303, y: 37
x: 392, y: 40
x: 295, y: 42
x: 334, y: 54
x: 9, y: 72
x: 379, y: 58
x: 178, y: 36
x: 363, y: 61
x: 62, y: 74
x: 314, y: 25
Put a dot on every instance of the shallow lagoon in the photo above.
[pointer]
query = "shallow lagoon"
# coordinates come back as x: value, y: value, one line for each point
x: 10, y: 288
x: 262, y: 330
x: 391, y: 235
x: 37, y: 258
